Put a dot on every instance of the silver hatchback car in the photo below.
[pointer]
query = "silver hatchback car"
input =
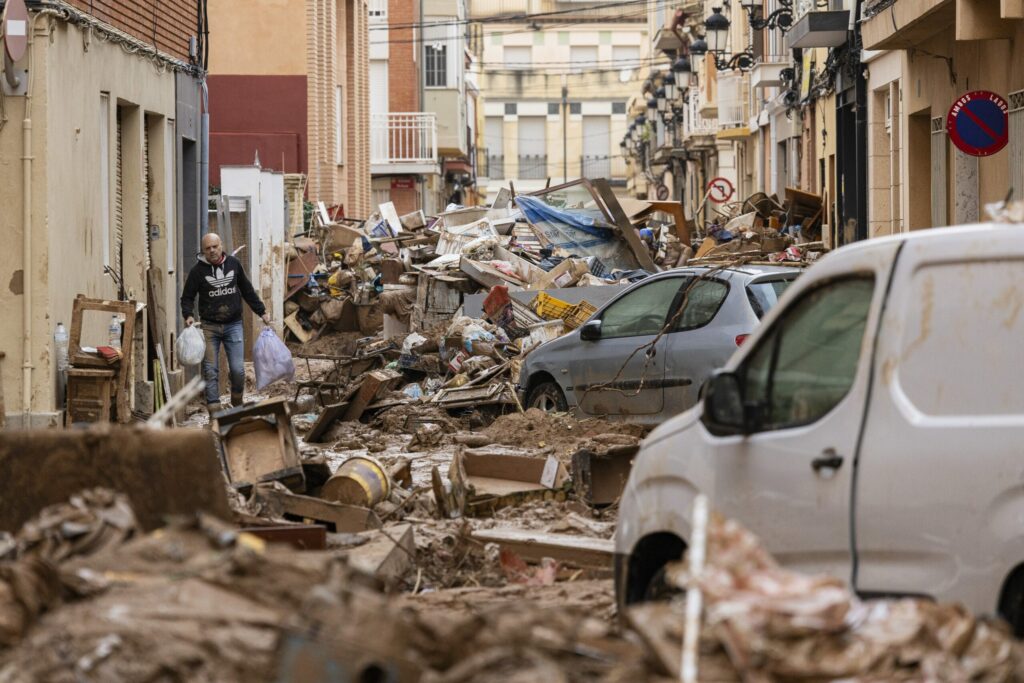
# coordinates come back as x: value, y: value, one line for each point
x: 644, y: 356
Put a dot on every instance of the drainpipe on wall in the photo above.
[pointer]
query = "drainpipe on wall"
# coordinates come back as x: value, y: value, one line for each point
x: 26, y: 231
x: 204, y: 164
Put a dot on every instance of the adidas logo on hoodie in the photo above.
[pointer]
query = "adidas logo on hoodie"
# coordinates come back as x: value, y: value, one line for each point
x: 221, y: 282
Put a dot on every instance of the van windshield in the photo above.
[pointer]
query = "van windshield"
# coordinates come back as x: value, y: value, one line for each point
x: 764, y: 295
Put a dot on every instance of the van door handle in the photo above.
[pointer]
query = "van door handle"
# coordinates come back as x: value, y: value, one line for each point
x: 828, y: 460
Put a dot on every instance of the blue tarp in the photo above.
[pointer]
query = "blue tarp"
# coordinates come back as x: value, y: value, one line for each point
x: 537, y: 211
x: 581, y: 232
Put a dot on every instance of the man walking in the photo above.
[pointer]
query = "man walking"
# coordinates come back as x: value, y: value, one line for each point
x: 221, y: 284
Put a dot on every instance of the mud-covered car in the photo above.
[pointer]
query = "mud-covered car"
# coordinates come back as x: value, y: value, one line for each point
x: 645, y: 354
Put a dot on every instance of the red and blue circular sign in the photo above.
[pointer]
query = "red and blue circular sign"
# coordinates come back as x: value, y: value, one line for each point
x: 979, y: 124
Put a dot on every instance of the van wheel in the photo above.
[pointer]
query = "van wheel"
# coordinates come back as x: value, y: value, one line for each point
x: 1011, y: 602
x: 547, y: 396
x: 659, y: 589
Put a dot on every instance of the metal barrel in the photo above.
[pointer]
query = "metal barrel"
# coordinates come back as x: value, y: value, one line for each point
x: 359, y: 481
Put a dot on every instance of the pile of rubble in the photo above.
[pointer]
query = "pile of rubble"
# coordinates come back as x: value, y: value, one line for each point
x: 454, y: 302
x: 201, y: 599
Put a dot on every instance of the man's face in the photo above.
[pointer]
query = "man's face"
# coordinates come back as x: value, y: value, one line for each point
x: 211, y: 248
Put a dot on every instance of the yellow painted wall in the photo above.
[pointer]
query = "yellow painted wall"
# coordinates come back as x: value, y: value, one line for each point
x: 71, y: 72
x: 265, y: 38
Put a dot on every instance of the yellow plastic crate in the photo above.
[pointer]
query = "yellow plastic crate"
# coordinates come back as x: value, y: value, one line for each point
x: 550, y: 308
x: 579, y: 314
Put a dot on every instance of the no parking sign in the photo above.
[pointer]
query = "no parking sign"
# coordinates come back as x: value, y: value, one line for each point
x: 978, y: 123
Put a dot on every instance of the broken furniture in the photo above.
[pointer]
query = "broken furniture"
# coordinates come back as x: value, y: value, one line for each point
x: 599, y: 474
x: 531, y: 545
x: 121, y: 386
x: 485, y: 479
x: 258, y: 444
x: 90, y: 392
x: 281, y: 504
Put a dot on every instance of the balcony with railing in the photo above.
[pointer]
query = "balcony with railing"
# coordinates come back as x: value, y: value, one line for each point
x: 403, y: 142
x: 532, y: 167
x: 378, y: 11
x: 695, y: 125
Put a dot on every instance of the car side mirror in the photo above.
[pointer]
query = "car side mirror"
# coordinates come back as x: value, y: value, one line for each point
x: 724, y: 412
x: 591, y: 330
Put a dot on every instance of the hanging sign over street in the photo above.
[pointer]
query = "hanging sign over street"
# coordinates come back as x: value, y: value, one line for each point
x: 15, y: 29
x: 978, y: 123
x: 720, y: 190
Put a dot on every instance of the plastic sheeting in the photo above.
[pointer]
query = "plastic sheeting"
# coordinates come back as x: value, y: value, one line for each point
x: 581, y: 232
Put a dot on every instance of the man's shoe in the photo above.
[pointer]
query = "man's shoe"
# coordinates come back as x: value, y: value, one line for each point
x: 237, y: 400
x: 212, y: 408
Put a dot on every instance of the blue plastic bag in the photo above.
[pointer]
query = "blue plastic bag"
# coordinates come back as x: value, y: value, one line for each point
x: 271, y: 359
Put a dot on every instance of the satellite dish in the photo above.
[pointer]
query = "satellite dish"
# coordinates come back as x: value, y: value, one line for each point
x: 15, y: 30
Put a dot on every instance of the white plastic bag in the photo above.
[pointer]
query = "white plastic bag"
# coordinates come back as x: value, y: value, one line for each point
x: 191, y: 346
x: 271, y: 359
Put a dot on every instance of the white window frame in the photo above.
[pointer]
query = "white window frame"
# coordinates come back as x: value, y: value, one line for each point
x: 446, y: 37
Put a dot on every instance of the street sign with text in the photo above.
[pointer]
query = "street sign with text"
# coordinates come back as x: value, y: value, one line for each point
x: 978, y: 123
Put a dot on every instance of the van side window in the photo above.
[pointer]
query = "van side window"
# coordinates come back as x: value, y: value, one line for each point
x: 807, y: 364
x: 642, y: 312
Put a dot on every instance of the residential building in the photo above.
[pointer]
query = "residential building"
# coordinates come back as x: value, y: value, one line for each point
x: 422, y: 103
x: 922, y: 58
x: 289, y: 81
x: 102, y: 112
x: 766, y: 92
x: 556, y: 86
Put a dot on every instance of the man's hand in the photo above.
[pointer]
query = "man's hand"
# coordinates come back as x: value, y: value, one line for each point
x: 188, y: 321
x: 266, y: 318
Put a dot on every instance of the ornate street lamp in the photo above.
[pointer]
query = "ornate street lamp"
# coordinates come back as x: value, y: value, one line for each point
x: 652, y: 107
x: 781, y: 18
x: 668, y: 82
x: 717, y: 38
x: 682, y: 70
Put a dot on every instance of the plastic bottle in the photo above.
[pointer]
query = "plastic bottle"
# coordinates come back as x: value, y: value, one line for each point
x: 115, y: 332
x: 60, y: 340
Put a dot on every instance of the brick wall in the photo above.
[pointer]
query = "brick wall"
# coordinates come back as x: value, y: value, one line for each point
x: 403, y: 72
x: 357, y: 54
x: 166, y: 23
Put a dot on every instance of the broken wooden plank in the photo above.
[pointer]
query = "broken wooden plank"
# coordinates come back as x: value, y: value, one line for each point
x: 296, y: 328
x: 299, y: 536
x: 339, y: 518
x: 375, y: 384
x: 626, y: 229
x: 327, y: 417
x: 531, y: 545
x: 388, y: 555
x: 600, y: 477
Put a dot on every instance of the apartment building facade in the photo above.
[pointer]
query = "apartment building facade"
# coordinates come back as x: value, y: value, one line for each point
x: 290, y: 82
x: 765, y: 94
x: 556, y: 89
x: 102, y: 110
x: 922, y: 58
x: 422, y: 104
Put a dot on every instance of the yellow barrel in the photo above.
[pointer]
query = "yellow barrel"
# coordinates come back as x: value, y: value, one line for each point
x: 359, y: 481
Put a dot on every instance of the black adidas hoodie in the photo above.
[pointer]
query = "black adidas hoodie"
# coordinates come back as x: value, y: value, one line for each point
x: 221, y: 290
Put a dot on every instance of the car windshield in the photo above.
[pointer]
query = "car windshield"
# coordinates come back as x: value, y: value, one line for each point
x: 764, y: 295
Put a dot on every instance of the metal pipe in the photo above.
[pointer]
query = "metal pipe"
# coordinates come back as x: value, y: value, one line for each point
x: 26, y: 231
x: 204, y: 164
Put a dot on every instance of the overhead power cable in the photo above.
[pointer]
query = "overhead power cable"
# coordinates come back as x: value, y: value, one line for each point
x: 517, y: 18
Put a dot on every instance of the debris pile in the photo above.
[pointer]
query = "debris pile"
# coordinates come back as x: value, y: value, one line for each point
x: 764, y: 229
x: 201, y: 599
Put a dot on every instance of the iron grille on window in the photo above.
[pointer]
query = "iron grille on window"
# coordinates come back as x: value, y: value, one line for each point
x: 596, y: 166
x: 533, y: 166
x: 436, y: 65
x: 554, y: 108
x: 495, y: 165
x: 618, y: 107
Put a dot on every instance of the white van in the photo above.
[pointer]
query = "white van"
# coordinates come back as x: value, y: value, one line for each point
x: 872, y: 428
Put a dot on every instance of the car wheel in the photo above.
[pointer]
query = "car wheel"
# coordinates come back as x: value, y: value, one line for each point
x: 547, y: 396
x: 1011, y: 602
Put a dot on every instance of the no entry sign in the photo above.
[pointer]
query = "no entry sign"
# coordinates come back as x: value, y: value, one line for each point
x: 15, y: 29
x: 978, y: 123
x: 720, y: 190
